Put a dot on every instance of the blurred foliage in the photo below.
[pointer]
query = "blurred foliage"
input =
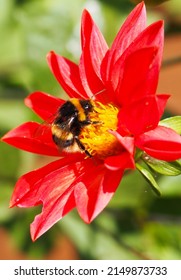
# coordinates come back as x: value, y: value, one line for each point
x: 136, y: 224
x: 150, y: 2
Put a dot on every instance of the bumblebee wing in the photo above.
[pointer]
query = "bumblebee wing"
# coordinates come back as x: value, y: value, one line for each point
x: 43, y: 131
x: 62, y: 136
x: 45, y: 127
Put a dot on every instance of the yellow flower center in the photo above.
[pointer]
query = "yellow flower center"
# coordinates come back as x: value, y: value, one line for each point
x: 96, y: 138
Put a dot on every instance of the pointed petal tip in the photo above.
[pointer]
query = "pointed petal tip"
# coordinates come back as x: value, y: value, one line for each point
x: 85, y: 13
x: 159, y: 24
x: 34, y: 233
x: 88, y: 220
x: 50, y: 55
x: 12, y: 204
x: 33, y: 237
x: 141, y: 6
x: 28, y: 101
x: 4, y: 138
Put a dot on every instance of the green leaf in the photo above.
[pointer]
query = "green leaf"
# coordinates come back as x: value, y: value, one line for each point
x: 149, y: 177
x: 162, y: 167
x: 173, y: 122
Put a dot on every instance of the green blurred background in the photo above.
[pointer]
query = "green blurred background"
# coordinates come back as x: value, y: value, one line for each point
x: 136, y: 224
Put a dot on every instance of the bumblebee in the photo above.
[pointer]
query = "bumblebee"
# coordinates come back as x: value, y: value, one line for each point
x: 71, y: 117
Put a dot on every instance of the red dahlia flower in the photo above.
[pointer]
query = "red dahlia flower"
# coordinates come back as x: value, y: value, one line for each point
x: 120, y: 83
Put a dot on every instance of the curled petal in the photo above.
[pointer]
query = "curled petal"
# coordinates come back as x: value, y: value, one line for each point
x: 141, y: 115
x: 67, y: 74
x: 92, y: 194
x: 126, y: 158
x: 132, y: 27
x: 44, y: 105
x: 151, y: 37
x: 32, y: 137
x: 135, y: 75
x: 122, y: 161
x: 134, y: 24
x: 161, y: 143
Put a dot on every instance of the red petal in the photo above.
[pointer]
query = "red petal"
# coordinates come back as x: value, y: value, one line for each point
x: 150, y: 37
x: 132, y: 27
x: 126, y: 142
x: 67, y: 74
x: 142, y: 115
x: 94, y: 49
x: 43, y: 104
x: 32, y: 137
x: 93, y: 193
x: 52, y: 213
x: 27, y: 190
x: 94, y: 42
x: 90, y: 81
x: 126, y: 158
x: 135, y: 75
x: 161, y: 143
x: 122, y: 161
x: 51, y: 185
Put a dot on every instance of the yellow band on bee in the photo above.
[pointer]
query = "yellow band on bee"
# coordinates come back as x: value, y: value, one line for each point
x: 81, y: 111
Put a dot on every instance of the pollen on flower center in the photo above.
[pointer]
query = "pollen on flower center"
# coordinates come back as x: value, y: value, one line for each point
x: 96, y: 138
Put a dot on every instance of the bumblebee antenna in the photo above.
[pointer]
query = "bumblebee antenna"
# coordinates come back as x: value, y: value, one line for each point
x: 92, y: 97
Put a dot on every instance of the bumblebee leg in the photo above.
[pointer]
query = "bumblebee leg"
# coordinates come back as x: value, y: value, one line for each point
x: 87, y: 122
x: 81, y: 146
x: 84, y: 123
x: 96, y: 122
